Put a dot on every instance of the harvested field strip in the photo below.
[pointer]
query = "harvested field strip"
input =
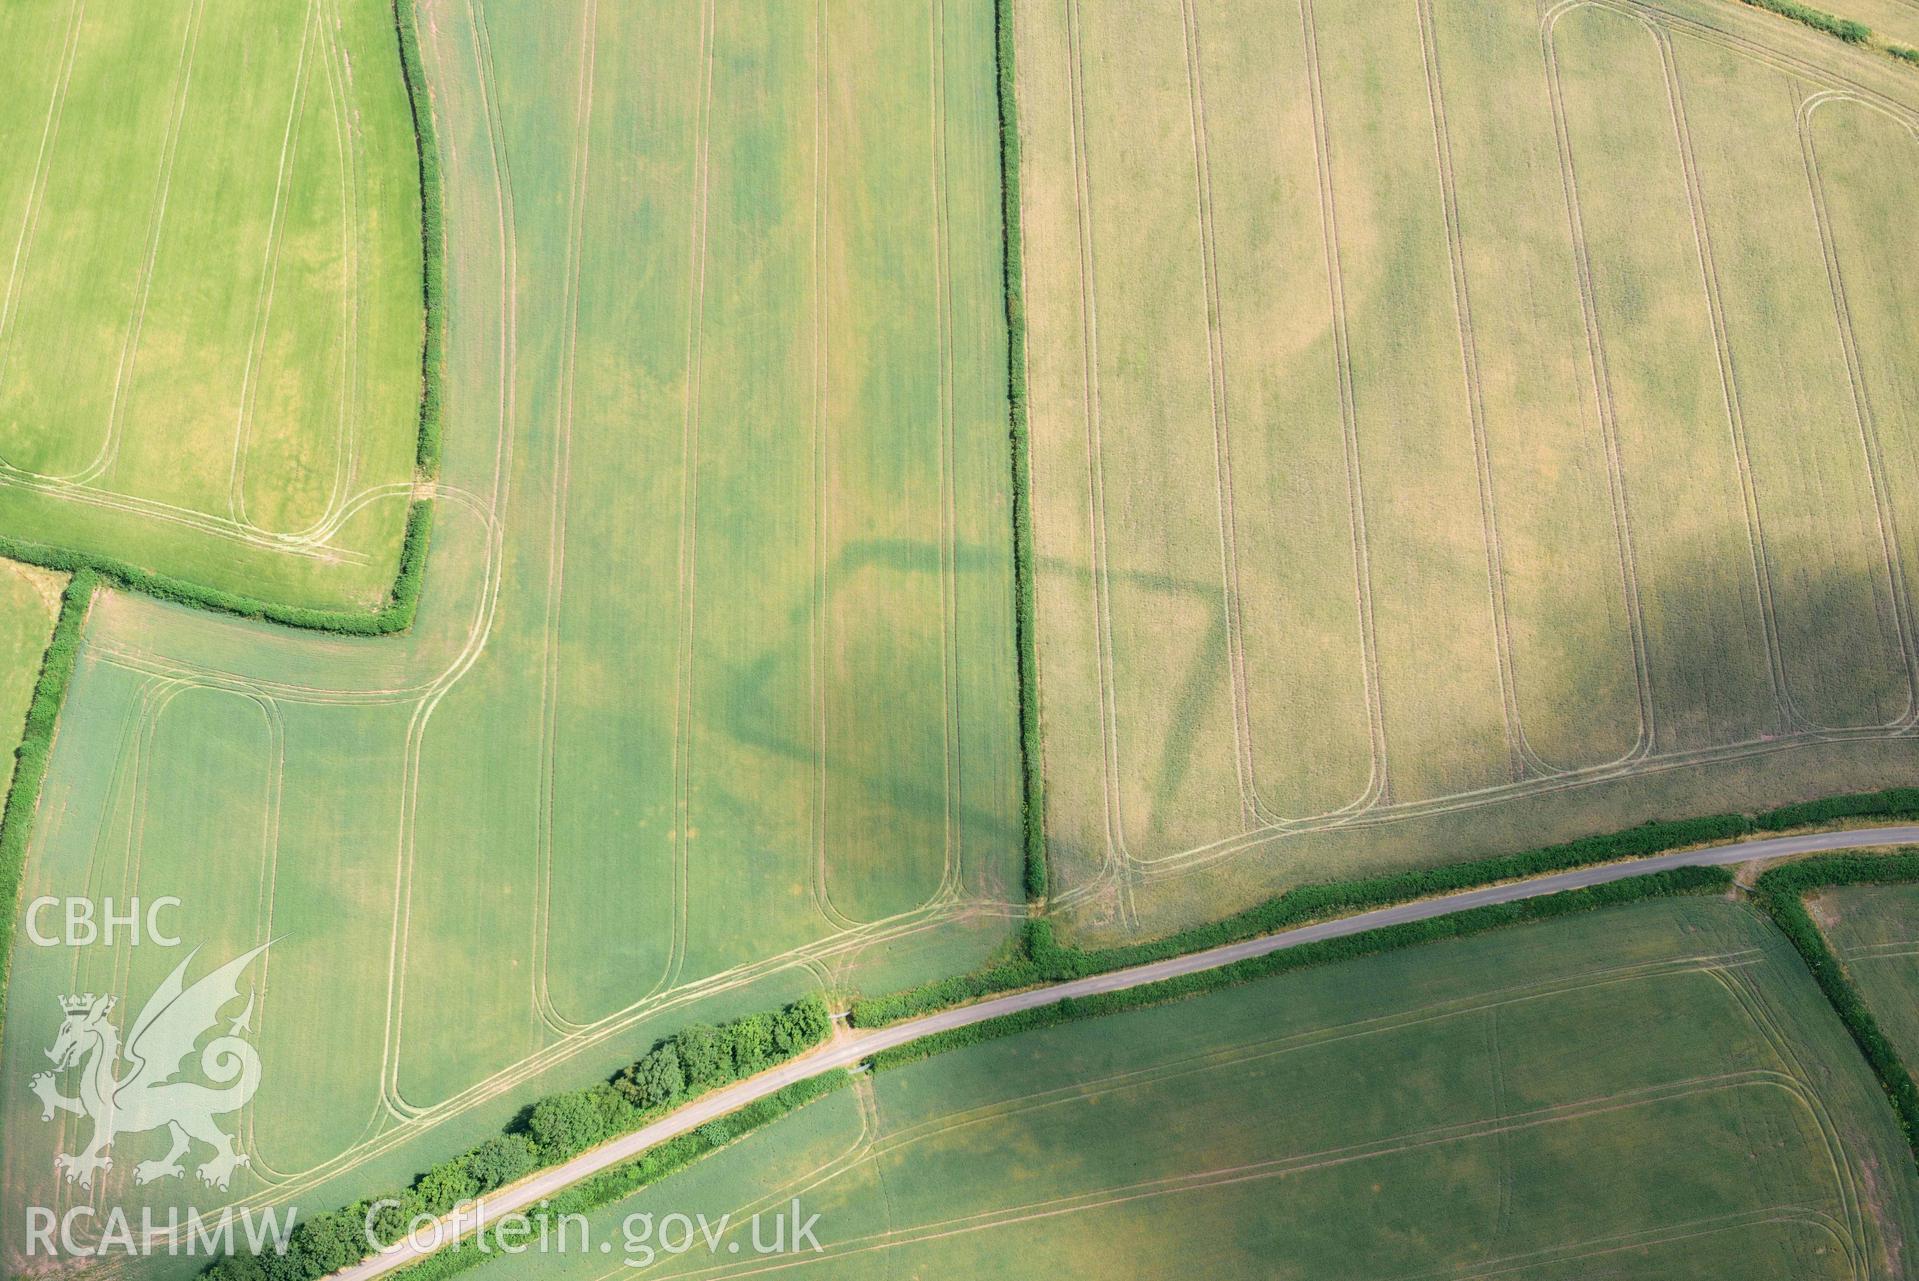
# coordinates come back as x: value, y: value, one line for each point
x: 1570, y: 590
x: 889, y: 835
x: 1426, y: 528
x: 90, y: 228
x: 29, y: 603
x: 987, y: 781
x: 33, y: 684
x: 1706, y: 639
x: 613, y: 582
x: 1864, y: 166
x: 1841, y: 624
x: 1298, y: 619
x: 1178, y: 777
x: 1059, y: 424
x: 311, y: 282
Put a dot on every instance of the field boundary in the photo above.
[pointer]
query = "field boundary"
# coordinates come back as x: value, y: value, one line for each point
x: 1836, y: 26
x: 30, y: 758
x: 1374, y: 942
x: 426, y: 150
x: 396, y: 615
x: 1025, y: 613
x: 622, y: 1181
x: 601, y: 1175
x: 1040, y: 958
x: 1782, y: 893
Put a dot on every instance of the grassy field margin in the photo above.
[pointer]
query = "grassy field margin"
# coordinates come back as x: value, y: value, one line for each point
x: 1025, y: 635
x: 1782, y: 893
x: 30, y: 758
x: 1463, y: 924
x: 396, y: 615
x: 1041, y: 958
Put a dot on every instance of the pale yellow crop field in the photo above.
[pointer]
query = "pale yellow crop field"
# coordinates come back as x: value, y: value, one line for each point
x: 1464, y: 424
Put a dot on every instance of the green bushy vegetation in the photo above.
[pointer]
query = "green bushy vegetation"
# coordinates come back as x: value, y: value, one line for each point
x: 432, y: 237
x: 1782, y: 892
x: 1818, y: 19
x: 681, y: 1067
x: 624, y: 1180
x: 30, y: 758
x: 1905, y: 53
x: 396, y: 615
x: 701, y: 1057
x: 1041, y: 959
x: 1682, y: 880
x: 1025, y: 639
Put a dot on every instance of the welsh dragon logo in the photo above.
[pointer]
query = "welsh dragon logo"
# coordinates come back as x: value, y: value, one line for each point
x: 147, y: 1096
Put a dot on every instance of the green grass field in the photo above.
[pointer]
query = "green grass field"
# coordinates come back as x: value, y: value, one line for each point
x: 1452, y: 421
x: 210, y: 301
x: 710, y: 699
x: 1650, y: 1091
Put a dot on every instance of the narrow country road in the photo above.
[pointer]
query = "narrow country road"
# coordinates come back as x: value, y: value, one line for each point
x: 849, y: 1050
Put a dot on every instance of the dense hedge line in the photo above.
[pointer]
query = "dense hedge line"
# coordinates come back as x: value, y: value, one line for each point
x: 30, y: 758
x: 1040, y: 959
x: 1818, y: 19
x: 396, y: 615
x: 432, y: 236
x: 1478, y: 920
x: 554, y: 1129
x: 1905, y: 53
x: 624, y: 1180
x: 1025, y: 638
x: 1782, y: 892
